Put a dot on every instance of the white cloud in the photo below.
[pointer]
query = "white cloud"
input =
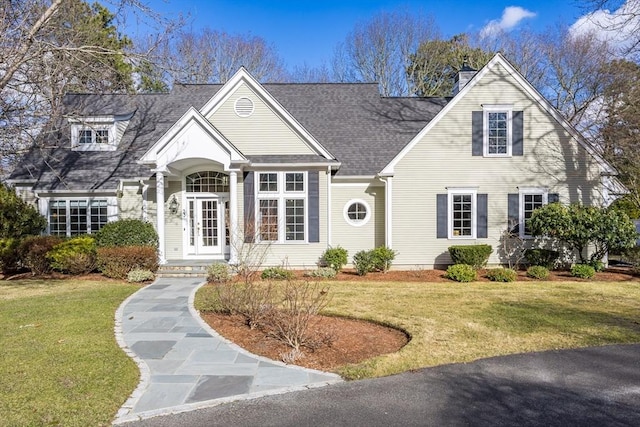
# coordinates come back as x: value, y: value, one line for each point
x: 618, y: 27
x: 511, y: 17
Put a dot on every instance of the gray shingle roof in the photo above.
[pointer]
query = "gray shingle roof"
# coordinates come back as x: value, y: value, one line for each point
x: 361, y: 129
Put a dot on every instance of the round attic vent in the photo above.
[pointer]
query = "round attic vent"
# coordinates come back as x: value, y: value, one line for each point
x: 244, y: 107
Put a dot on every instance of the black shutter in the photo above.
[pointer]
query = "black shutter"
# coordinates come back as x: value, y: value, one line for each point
x: 514, y: 213
x: 477, y: 126
x: 249, y: 208
x: 553, y: 198
x: 482, y: 225
x: 314, y: 207
x: 441, y: 216
x: 517, y: 133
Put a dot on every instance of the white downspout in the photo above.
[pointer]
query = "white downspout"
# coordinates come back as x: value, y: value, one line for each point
x: 329, y: 228
x: 233, y: 217
x: 388, y: 210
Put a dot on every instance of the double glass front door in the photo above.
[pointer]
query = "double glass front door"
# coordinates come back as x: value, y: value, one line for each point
x: 206, y: 225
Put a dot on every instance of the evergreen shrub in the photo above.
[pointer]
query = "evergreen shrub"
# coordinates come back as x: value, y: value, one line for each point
x: 74, y: 256
x: 127, y: 232
x: 473, y: 255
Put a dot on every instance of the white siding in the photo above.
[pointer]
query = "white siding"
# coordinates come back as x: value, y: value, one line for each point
x: 442, y: 159
x: 357, y: 238
x: 130, y: 204
x: 264, y: 132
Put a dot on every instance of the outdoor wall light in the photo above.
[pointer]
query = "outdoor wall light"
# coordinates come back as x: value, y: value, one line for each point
x: 173, y: 205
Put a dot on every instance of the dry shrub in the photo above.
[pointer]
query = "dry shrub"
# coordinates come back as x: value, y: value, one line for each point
x: 33, y: 253
x: 117, y: 262
x: 251, y: 300
x: 284, y: 311
x: 301, y: 301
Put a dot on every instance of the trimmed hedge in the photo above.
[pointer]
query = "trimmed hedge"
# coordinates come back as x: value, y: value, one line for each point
x: 363, y: 262
x: 277, y: 273
x: 538, y: 272
x: 127, y: 232
x: 335, y: 258
x: 382, y: 257
x: 117, y: 262
x: 544, y: 257
x: 74, y: 256
x: 461, y: 273
x: 33, y: 253
x: 476, y: 256
x: 583, y: 271
x: 502, y: 275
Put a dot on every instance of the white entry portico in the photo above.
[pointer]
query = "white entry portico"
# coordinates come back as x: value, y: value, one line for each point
x: 193, y: 151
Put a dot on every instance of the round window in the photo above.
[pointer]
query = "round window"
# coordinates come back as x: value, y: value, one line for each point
x: 356, y: 212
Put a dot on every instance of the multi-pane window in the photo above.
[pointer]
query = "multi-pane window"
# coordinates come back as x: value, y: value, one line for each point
x: 85, y: 136
x: 281, y: 203
x: 294, y: 219
x: 98, y: 214
x: 58, y: 217
x: 207, y: 182
x: 76, y: 217
x: 269, y: 220
x: 497, y: 131
x: 356, y: 212
x: 102, y: 136
x: 530, y: 201
x: 93, y: 136
x: 269, y: 182
x: 294, y: 181
x: 498, y: 141
x: 462, y: 215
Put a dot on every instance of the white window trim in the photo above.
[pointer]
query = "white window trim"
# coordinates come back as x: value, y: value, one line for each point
x: 112, y: 210
x: 474, y: 212
x: 497, y: 108
x: 282, y: 196
x: 93, y: 124
x: 529, y: 191
x: 357, y: 223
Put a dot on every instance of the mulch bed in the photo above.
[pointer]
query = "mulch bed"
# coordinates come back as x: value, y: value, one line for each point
x: 349, y: 340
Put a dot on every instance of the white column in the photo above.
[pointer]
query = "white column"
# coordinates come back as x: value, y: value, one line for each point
x: 160, y: 215
x: 234, y: 230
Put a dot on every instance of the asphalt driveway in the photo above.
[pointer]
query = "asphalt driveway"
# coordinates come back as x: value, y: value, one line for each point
x: 587, y: 387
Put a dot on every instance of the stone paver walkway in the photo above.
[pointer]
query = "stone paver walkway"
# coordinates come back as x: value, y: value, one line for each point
x: 185, y: 364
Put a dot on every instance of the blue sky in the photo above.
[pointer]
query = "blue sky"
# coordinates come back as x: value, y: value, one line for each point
x: 308, y: 31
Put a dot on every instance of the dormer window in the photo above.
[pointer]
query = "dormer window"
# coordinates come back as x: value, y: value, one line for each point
x: 93, y: 134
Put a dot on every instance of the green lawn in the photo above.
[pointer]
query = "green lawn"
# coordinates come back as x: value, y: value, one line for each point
x: 59, y: 361
x: 454, y: 322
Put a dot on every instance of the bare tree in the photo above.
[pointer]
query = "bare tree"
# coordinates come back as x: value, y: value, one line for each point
x: 433, y: 68
x: 379, y: 51
x: 619, y: 20
x: 48, y: 48
x: 620, y: 133
x: 308, y: 74
x: 212, y: 56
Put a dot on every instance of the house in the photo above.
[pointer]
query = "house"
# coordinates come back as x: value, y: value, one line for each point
x: 299, y: 168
